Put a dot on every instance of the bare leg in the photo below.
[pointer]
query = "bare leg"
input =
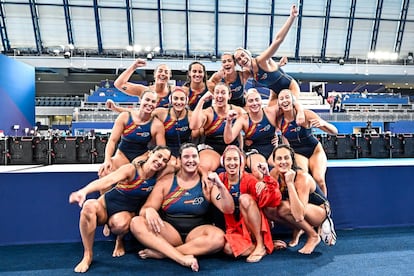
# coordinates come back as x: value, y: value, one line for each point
x: 92, y: 212
x: 158, y: 243
x: 252, y: 218
x: 297, y: 233
x: 119, y: 249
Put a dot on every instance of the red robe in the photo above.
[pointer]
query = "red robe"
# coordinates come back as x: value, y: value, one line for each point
x: 237, y: 233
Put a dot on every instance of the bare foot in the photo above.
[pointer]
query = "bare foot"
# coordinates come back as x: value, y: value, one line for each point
x: 297, y: 233
x: 279, y: 244
x: 310, y: 245
x: 148, y: 253
x: 257, y: 255
x: 106, y: 231
x: 119, y: 249
x: 191, y: 262
x: 83, y: 266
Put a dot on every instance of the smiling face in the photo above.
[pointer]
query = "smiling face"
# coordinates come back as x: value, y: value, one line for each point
x: 221, y: 95
x: 253, y: 100
x: 285, y: 100
x: 283, y: 159
x: 190, y: 159
x: 148, y: 101
x: 196, y: 73
x: 162, y: 74
x: 178, y: 100
x: 243, y: 58
x: 227, y: 63
x: 159, y: 158
x: 231, y: 161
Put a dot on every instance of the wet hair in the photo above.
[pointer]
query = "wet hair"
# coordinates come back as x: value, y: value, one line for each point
x: 290, y: 93
x: 187, y: 146
x: 244, y: 50
x: 188, y: 80
x: 154, y: 149
x: 251, y: 91
x: 295, y: 166
x: 163, y: 64
x: 223, y: 84
x: 147, y: 91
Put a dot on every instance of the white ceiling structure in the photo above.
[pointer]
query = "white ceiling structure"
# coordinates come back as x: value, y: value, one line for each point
x: 99, y: 34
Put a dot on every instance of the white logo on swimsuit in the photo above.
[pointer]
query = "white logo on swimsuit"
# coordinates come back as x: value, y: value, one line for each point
x: 237, y: 89
x: 149, y: 188
x: 182, y: 129
x: 198, y: 200
x: 143, y: 134
x: 266, y: 128
x: 264, y: 76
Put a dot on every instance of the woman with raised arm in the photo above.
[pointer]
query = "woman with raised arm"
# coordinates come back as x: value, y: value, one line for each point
x: 259, y: 129
x: 212, y: 120
x: 134, y: 130
x: 309, y: 152
x: 174, y: 223
x: 134, y: 182
x: 263, y: 71
x: 233, y: 78
x: 303, y: 206
x: 162, y: 75
x: 247, y: 229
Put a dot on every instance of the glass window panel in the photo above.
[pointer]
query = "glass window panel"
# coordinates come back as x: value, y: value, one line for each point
x: 19, y: 26
x: 314, y: 8
x: 407, y: 44
x: 202, y: 5
x: 258, y: 33
x: 366, y: 9
x: 361, y: 38
x: 283, y: 7
x: 410, y: 12
x: 84, y: 28
x: 173, y: 4
x: 391, y: 9
x: 232, y: 6
x: 149, y: 4
x: 174, y: 32
x: 386, y: 36
x: 340, y: 8
x: 114, y: 29
x: 145, y: 28
x: 230, y: 32
x: 311, y: 36
x: 111, y: 3
x: 52, y: 25
x: 335, y: 45
x: 260, y: 6
x: 202, y: 32
x: 81, y: 2
x: 287, y: 48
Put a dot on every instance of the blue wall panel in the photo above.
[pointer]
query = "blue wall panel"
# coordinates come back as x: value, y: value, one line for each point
x: 17, y: 92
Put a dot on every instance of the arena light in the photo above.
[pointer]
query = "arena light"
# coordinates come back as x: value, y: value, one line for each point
x: 383, y: 56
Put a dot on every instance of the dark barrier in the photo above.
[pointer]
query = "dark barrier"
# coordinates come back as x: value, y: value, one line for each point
x: 346, y: 146
x: 41, y: 150
x: 3, y: 150
x: 99, y: 149
x: 84, y: 150
x: 20, y: 150
x: 64, y: 150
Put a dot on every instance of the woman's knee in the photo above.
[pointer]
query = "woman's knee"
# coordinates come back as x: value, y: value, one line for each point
x: 137, y: 224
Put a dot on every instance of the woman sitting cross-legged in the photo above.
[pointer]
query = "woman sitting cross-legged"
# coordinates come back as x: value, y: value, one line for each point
x: 174, y: 222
